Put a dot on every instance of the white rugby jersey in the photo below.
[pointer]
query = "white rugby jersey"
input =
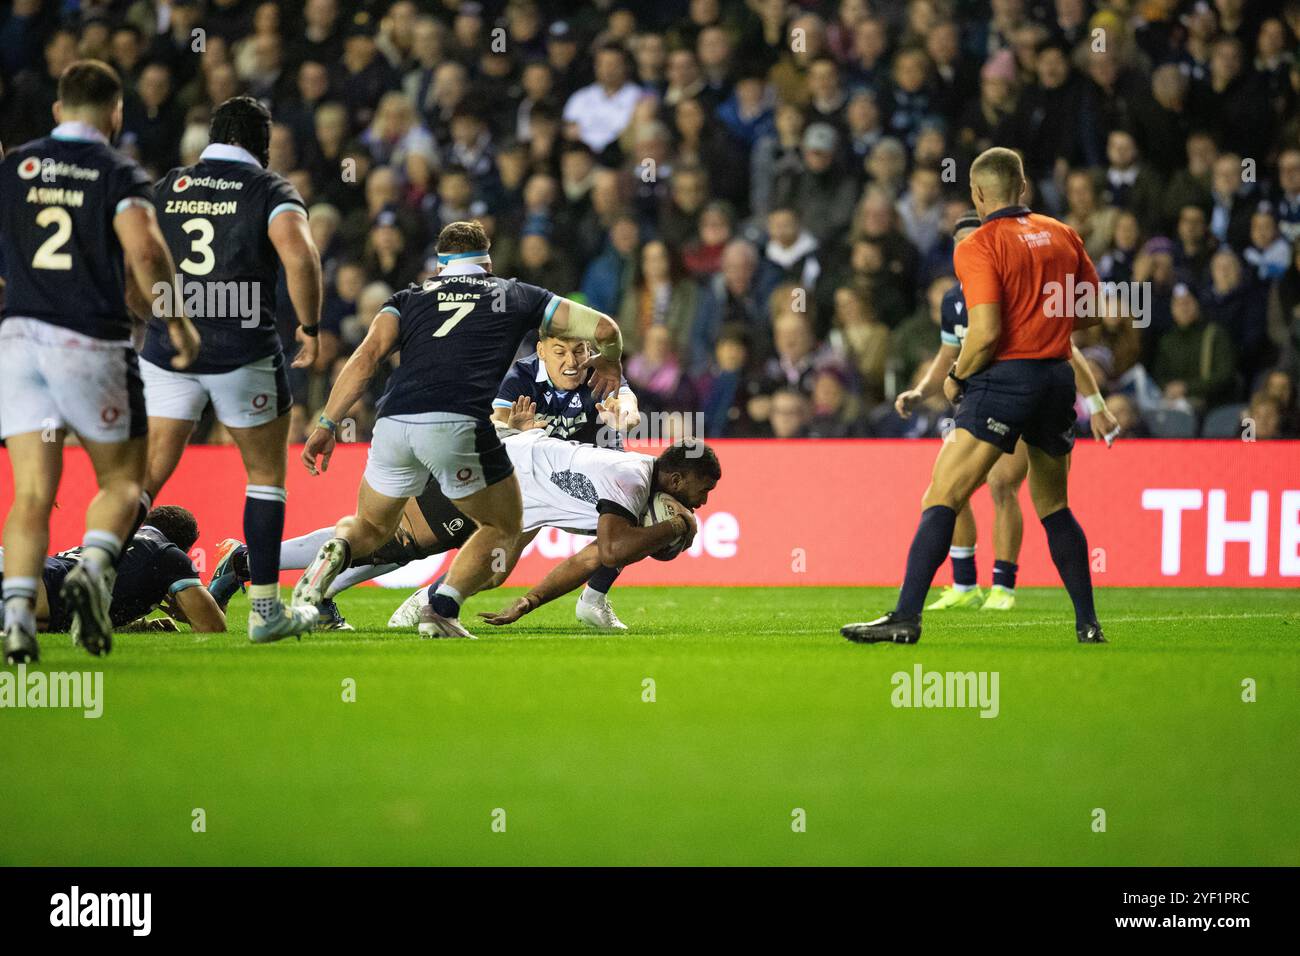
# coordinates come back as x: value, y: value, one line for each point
x: 568, y: 485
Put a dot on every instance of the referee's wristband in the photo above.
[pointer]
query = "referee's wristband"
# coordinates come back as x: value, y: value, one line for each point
x: 326, y: 423
x: 1094, y: 402
x: 311, y: 331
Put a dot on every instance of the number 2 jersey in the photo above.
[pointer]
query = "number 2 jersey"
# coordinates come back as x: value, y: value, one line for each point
x: 214, y: 216
x: 457, y: 334
x: 63, y: 262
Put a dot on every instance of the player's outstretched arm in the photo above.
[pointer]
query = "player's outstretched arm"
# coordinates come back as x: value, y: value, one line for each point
x: 150, y: 267
x: 569, y: 575
x: 198, y: 607
x: 620, y: 542
x: 348, y: 388
x: 298, y: 254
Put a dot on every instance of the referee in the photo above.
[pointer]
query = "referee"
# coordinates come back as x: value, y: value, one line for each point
x: 1012, y: 379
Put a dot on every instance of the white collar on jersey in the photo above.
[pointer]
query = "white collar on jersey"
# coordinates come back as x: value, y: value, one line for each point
x: 78, y: 131
x: 228, y: 151
x: 462, y: 269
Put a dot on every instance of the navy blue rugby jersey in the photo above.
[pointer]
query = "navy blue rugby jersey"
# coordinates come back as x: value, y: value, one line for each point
x: 63, y: 262
x: 952, y: 317
x: 214, y: 216
x: 457, y: 334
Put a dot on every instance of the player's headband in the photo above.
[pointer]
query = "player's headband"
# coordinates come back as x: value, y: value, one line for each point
x: 478, y: 257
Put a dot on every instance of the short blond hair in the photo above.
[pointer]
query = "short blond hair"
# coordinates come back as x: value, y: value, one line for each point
x: 1001, y: 170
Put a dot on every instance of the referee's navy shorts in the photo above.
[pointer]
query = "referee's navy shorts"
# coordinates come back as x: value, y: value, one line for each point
x: 1021, y: 398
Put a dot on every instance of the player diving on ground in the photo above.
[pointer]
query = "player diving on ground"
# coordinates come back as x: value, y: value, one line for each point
x: 457, y: 334
x: 543, y: 391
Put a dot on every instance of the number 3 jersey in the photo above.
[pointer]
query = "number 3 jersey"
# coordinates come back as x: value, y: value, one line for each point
x: 457, y: 334
x: 63, y: 262
x: 214, y: 216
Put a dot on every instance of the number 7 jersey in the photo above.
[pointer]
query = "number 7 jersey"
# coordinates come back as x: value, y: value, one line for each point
x: 63, y: 262
x: 457, y: 335
x: 214, y: 216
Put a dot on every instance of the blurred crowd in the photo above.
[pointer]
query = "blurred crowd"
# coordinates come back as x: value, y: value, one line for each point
x: 762, y: 192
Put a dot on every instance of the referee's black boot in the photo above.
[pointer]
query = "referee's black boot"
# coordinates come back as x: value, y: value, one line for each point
x: 1091, y: 634
x: 892, y: 628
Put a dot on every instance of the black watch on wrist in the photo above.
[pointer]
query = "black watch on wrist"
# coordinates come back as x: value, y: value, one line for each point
x: 961, y: 382
x: 311, y: 331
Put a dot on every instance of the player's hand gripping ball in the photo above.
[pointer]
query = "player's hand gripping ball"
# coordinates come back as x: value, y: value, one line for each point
x: 664, y: 507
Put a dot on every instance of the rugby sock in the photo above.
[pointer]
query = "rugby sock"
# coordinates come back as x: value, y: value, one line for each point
x: 20, y: 603
x: 297, y: 553
x: 963, y: 567
x: 357, y: 575
x: 931, y: 543
x: 1004, y: 574
x: 598, y: 585
x: 1069, y: 547
x: 433, y: 588
x: 263, y: 528
x: 100, y: 551
x: 446, y: 601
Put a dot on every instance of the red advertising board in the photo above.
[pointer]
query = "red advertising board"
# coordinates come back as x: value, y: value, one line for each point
x: 842, y: 512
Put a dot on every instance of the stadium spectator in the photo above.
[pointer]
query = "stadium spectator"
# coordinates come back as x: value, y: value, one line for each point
x: 1236, y: 305
x: 1195, y: 359
x: 742, y: 162
x: 600, y: 112
x: 661, y: 295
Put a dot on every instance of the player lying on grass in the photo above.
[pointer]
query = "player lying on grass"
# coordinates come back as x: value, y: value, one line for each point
x: 1006, y: 476
x: 545, y: 391
x: 457, y: 334
x: 573, y: 487
x: 593, y: 491
x: 155, y: 571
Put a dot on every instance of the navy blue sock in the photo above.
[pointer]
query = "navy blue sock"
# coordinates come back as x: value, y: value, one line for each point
x: 963, y: 567
x: 929, y: 548
x: 263, y: 529
x: 603, y: 578
x: 1004, y: 574
x: 1069, y: 547
x: 433, y: 588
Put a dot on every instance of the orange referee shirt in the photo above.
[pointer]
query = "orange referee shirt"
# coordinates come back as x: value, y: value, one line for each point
x: 1012, y: 260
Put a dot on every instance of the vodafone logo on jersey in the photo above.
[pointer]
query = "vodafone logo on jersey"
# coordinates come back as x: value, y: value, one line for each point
x: 182, y: 183
x: 29, y: 167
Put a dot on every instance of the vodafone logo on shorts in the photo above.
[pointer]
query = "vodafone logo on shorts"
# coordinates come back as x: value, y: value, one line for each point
x: 259, y: 401
x: 109, y: 415
x: 29, y: 167
x: 464, y: 475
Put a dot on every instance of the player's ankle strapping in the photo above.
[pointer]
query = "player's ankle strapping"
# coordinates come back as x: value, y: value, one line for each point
x: 1004, y: 574
x: 446, y: 601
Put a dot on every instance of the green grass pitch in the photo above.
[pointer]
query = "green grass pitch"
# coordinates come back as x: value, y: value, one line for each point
x: 760, y: 709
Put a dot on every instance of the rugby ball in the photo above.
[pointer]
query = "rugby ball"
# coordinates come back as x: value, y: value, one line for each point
x: 664, y: 507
